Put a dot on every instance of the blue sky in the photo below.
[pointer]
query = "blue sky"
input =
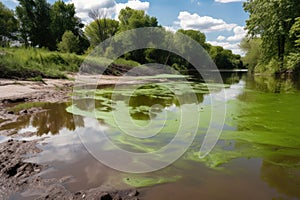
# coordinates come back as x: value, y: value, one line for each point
x: 222, y: 21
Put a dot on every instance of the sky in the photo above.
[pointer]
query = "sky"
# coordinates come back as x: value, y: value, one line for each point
x: 222, y: 21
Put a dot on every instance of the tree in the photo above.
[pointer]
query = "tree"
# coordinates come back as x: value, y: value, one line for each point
x: 62, y: 19
x: 294, y: 57
x: 69, y: 43
x: 295, y: 32
x: 252, y: 48
x: 225, y: 59
x: 272, y: 21
x: 131, y: 19
x: 101, y: 29
x: 8, y: 23
x: 34, y: 17
x: 195, y: 35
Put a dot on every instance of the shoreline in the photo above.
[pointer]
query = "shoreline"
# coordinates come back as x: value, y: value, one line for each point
x: 19, y: 177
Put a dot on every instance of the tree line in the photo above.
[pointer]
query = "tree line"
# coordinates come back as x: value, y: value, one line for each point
x: 273, y: 42
x: 55, y: 27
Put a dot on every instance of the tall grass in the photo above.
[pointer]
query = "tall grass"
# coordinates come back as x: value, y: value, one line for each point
x: 24, y: 63
x: 35, y: 64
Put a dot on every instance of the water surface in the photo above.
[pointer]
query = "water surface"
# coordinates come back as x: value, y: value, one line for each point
x: 257, y: 156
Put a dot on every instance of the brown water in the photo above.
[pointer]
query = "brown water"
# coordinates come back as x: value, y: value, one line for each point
x: 258, y: 175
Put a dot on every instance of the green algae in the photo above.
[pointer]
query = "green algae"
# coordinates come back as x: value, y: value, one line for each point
x: 266, y: 126
x: 28, y: 105
x: 262, y: 124
x: 139, y: 181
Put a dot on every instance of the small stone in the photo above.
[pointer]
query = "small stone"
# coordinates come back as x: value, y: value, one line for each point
x: 77, y: 193
x: 10, y: 112
x: 105, y: 196
x: 117, y: 197
x: 133, y: 193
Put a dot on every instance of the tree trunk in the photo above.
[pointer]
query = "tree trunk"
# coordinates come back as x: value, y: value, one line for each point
x: 281, y: 49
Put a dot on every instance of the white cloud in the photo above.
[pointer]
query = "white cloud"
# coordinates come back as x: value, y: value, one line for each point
x: 109, y: 7
x: 170, y: 28
x: 204, y: 24
x: 228, y: 1
x: 83, y: 7
x: 221, y: 38
x: 226, y: 45
x: 239, y: 34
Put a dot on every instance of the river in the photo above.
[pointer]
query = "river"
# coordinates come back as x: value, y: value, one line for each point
x: 256, y: 157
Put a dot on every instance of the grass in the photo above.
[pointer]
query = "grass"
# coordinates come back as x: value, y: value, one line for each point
x: 36, y: 64
x: 32, y: 63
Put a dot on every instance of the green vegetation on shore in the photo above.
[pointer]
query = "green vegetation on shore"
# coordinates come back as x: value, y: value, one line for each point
x: 56, y: 41
x: 29, y: 63
x: 273, y: 42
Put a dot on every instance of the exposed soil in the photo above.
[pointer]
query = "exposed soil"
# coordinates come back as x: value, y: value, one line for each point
x: 18, y: 176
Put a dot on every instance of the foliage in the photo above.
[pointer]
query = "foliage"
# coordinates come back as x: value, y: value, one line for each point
x: 131, y: 19
x: 272, y: 21
x: 195, y: 35
x: 34, y: 17
x: 293, y: 63
x: 31, y: 62
x: 43, y: 25
x: 295, y: 32
x: 225, y: 59
x: 63, y: 19
x: 252, y: 48
x: 101, y: 29
x: 69, y: 43
x: 55, y: 27
x: 8, y: 23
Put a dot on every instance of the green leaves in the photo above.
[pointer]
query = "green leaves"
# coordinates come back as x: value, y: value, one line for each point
x: 101, y: 29
x: 272, y: 21
x: 131, y: 19
x: 8, y: 23
x: 69, y: 43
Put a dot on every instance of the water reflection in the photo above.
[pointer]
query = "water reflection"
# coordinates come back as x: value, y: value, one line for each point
x: 52, y: 119
x: 285, y: 180
x: 273, y: 84
x: 263, y: 126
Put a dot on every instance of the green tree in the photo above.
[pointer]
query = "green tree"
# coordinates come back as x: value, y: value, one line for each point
x: 272, y: 21
x: 225, y: 59
x: 62, y: 19
x: 195, y: 35
x: 8, y: 24
x: 131, y: 19
x: 252, y: 48
x: 293, y: 63
x: 34, y: 17
x: 69, y: 43
x: 295, y: 32
x: 101, y: 29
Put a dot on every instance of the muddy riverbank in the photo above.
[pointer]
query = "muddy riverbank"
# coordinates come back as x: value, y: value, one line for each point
x: 21, y: 179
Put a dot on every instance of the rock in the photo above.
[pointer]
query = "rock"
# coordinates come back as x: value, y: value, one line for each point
x: 24, y: 111
x: 105, y: 196
x: 117, y: 197
x: 133, y: 193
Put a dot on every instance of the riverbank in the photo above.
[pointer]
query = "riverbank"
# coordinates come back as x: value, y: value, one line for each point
x: 21, y: 177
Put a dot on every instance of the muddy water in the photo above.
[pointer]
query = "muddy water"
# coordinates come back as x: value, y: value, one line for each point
x: 257, y: 156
